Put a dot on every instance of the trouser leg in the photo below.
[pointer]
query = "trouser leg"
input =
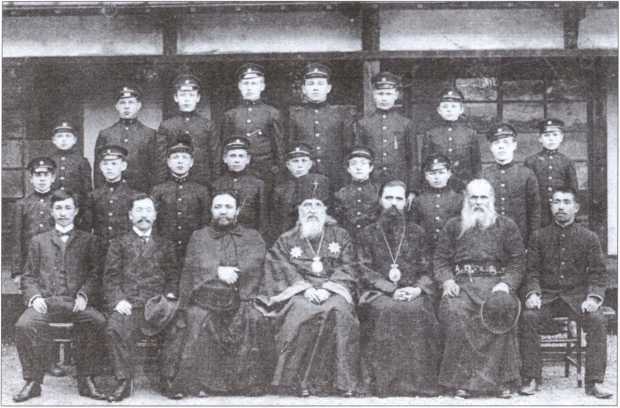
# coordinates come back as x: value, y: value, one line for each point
x: 90, y: 324
x: 32, y: 340
x: 595, y: 325
x: 120, y: 335
x: 529, y: 343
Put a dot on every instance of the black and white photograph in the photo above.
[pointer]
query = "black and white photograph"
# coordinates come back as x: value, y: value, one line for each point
x: 309, y: 203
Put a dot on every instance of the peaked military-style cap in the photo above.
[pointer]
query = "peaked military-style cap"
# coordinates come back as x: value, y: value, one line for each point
x: 299, y: 150
x: 250, y: 70
x: 235, y: 143
x: 127, y: 91
x: 451, y: 95
x: 316, y: 70
x: 187, y: 80
x: 386, y: 80
x: 41, y: 164
x: 434, y: 159
x: 111, y: 152
x: 181, y: 143
x: 500, y: 131
x: 550, y: 124
x: 361, y: 151
x: 63, y: 127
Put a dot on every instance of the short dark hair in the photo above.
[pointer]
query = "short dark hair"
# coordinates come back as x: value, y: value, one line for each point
x: 226, y: 191
x: 566, y: 190
x: 62, y: 195
x: 140, y: 197
x: 393, y: 183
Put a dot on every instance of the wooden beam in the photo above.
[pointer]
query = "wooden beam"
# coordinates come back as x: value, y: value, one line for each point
x: 571, y: 17
x: 370, y: 27
x: 169, y: 32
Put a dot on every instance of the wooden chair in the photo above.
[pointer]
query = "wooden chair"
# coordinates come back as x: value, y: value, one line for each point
x: 62, y: 338
x: 567, y: 345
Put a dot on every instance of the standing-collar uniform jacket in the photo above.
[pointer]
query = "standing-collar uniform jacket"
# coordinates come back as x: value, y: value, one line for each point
x: 414, y: 260
x: 459, y: 142
x: 136, y: 271
x: 108, y: 210
x: 553, y: 170
x: 356, y: 205
x: 516, y: 195
x: 32, y: 216
x: 73, y: 172
x: 499, y: 245
x: 328, y: 129
x: 211, y: 247
x: 183, y: 206
x: 139, y: 140
x: 262, y: 125
x: 392, y: 138
x: 565, y: 263
x: 205, y: 141
x: 252, y: 198
x: 54, y: 268
x: 287, y: 195
x: 433, y: 208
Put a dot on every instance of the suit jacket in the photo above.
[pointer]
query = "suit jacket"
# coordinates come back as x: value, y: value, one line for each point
x: 392, y: 138
x: 205, y: 141
x: 139, y: 140
x: 32, y: 216
x: 328, y: 129
x: 565, y: 263
x: 135, y: 271
x: 54, y: 268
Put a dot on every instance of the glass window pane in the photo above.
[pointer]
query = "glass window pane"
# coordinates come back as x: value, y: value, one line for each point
x: 524, y: 90
x: 478, y: 89
x: 567, y: 89
x: 523, y: 116
x: 574, y: 115
x: 481, y: 115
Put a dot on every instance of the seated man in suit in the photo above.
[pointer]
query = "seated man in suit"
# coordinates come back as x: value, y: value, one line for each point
x: 566, y: 276
x: 61, y: 274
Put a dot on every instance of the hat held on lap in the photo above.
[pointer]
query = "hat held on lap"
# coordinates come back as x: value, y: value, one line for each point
x: 500, y: 312
x: 158, y: 312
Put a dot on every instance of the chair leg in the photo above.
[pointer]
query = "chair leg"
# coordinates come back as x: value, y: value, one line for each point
x: 579, y: 345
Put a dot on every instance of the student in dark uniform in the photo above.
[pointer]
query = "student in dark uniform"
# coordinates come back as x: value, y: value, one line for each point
x: 516, y: 187
x: 453, y: 137
x: 438, y: 202
x: 300, y: 182
x: 553, y: 169
x: 73, y: 171
x: 205, y: 140
x: 133, y: 135
x: 32, y: 213
x: 250, y: 189
x: 108, y: 205
x: 61, y: 275
x: 258, y: 122
x: 390, y: 135
x: 183, y: 205
x: 566, y: 276
x: 327, y: 128
x: 356, y: 205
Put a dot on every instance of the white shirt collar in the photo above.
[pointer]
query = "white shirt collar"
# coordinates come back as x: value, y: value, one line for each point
x: 141, y: 234
x: 64, y: 230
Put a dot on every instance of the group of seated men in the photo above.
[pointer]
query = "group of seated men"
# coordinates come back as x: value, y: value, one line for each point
x: 407, y: 280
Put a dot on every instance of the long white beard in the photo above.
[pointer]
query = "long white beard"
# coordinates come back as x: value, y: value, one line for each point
x: 312, y: 228
x: 471, y: 218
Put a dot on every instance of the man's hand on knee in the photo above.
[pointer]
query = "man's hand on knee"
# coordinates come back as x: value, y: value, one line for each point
x: 501, y: 287
x: 80, y: 304
x: 590, y: 305
x: 533, y: 301
x: 39, y: 305
x: 123, y: 307
x: 450, y: 288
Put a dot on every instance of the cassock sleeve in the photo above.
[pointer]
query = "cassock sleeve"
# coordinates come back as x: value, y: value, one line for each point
x: 280, y: 273
x: 369, y: 278
x: 443, y: 260
x: 251, y: 249
x: 514, y: 255
x: 344, y: 274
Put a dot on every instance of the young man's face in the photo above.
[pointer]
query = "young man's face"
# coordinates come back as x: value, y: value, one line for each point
x: 187, y: 99
x: 299, y: 166
x: 64, y: 140
x: 64, y: 212
x: 551, y: 139
x: 438, y: 175
x: 503, y: 149
x: 450, y: 111
x: 143, y: 214
x: 42, y: 180
x: 316, y: 89
x: 251, y: 88
x: 128, y: 108
x: 359, y: 168
x: 180, y: 163
x: 385, y: 98
x: 564, y: 207
x: 393, y: 196
x: 112, y: 168
x: 236, y: 159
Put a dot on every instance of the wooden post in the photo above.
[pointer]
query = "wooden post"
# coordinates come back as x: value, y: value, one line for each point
x: 570, y: 17
x: 370, y: 68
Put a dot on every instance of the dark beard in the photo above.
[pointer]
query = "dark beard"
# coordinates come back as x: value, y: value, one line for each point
x: 392, y: 221
x: 223, y: 227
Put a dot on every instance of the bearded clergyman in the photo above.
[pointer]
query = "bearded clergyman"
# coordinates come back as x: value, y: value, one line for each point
x: 401, y: 351
x: 477, y: 254
x: 228, y: 345
x: 310, y: 287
